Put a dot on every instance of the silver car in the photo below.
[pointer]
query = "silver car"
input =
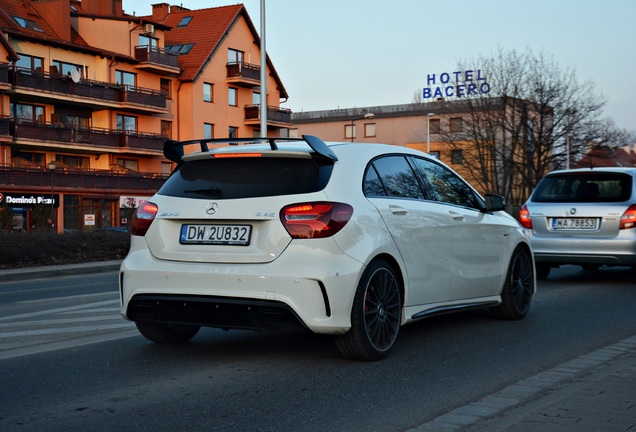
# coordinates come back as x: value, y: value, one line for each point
x: 582, y: 216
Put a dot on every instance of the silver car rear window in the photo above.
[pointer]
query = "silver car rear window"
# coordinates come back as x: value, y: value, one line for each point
x: 584, y: 187
x: 247, y: 178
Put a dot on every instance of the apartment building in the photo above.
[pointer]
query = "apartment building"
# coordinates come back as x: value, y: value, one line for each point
x: 88, y: 95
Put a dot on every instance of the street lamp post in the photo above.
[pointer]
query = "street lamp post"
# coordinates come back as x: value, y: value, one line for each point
x: 428, y: 132
x: 52, y: 166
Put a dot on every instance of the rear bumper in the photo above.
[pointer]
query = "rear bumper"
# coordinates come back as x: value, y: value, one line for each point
x: 305, y: 287
x: 617, y: 251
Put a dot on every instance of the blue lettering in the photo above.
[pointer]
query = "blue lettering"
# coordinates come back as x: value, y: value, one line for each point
x: 438, y: 93
x: 450, y: 91
x: 460, y: 90
x: 472, y: 89
x: 469, y: 75
x: 484, y: 88
x: 457, y: 74
x: 426, y: 93
x: 479, y: 77
x: 444, y: 78
x: 430, y: 79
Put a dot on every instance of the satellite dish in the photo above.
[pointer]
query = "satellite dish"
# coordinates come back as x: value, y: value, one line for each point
x: 75, y: 75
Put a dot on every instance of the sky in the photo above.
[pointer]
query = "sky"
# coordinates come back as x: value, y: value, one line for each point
x: 335, y: 54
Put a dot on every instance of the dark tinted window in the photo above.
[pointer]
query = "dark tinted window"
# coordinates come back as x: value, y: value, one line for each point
x: 447, y: 187
x: 372, y: 184
x: 396, y: 176
x: 584, y: 187
x: 246, y: 178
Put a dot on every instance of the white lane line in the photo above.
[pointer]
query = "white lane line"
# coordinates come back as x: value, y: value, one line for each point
x: 59, y: 310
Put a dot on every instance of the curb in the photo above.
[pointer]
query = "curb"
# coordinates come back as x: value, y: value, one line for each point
x: 22, y: 274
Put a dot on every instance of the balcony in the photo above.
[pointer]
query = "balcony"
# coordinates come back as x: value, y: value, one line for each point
x: 243, y: 74
x: 86, y: 180
x: 276, y: 117
x: 157, y: 60
x: 95, y: 94
x: 65, y: 135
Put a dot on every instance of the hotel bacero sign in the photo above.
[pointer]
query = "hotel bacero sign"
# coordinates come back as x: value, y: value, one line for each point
x: 27, y: 200
x: 456, y: 84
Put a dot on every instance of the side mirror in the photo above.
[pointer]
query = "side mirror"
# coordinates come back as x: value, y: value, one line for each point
x: 495, y: 203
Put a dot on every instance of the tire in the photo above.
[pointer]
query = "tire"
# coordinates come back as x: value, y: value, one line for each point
x: 376, y: 315
x: 518, y: 288
x: 165, y: 333
x: 543, y: 271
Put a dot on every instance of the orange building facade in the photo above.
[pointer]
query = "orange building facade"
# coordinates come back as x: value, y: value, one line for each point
x: 88, y: 95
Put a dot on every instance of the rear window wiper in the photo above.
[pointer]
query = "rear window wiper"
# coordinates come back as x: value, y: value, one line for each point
x: 211, y: 191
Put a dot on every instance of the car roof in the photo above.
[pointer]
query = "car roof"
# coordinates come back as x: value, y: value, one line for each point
x: 626, y: 170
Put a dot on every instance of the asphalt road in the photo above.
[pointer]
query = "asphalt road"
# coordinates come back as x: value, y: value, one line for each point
x: 68, y: 362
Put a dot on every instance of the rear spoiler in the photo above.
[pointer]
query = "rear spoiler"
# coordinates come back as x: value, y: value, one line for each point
x: 173, y: 150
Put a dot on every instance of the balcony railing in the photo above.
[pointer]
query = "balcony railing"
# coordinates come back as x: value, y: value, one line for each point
x: 244, y: 73
x: 69, y: 134
x: 274, y: 114
x: 89, y: 89
x: 81, y: 179
x: 159, y: 56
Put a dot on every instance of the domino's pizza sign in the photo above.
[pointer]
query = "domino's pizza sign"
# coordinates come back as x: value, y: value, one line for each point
x: 456, y: 84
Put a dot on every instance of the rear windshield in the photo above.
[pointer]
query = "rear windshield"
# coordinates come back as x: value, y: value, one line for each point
x: 584, y: 187
x: 247, y: 178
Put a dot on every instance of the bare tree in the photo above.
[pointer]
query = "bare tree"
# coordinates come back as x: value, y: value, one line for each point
x: 535, y: 118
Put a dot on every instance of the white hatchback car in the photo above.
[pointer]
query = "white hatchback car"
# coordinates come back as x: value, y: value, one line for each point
x: 347, y: 239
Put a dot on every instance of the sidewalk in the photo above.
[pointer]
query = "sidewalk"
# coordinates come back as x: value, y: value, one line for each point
x: 594, y: 392
x: 14, y: 275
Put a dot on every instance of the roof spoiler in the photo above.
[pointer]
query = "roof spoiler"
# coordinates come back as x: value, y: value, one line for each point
x: 173, y: 150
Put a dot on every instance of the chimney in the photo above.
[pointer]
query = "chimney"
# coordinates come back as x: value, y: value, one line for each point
x: 160, y: 11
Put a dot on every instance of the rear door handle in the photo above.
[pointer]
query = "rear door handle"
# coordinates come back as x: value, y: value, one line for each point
x: 396, y: 210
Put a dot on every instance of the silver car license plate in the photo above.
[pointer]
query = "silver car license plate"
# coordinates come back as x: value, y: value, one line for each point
x: 234, y: 235
x: 574, y: 223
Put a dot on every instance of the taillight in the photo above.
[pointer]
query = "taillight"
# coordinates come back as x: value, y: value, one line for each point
x: 316, y: 219
x: 628, y: 220
x: 143, y: 217
x: 524, y: 217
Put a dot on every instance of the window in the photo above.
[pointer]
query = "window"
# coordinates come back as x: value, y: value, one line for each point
x: 166, y: 128
x: 232, y: 96
x: 455, y: 124
x: 79, y: 162
x: 208, y: 130
x: 166, y: 87
x: 29, y: 62
x: 126, y: 123
x: 293, y: 133
x: 208, y: 92
x: 350, y: 131
x: 179, y: 48
x: 256, y: 98
x: 125, y: 78
x: 369, y: 130
x: 64, y: 68
x: 33, y: 157
x: 457, y: 157
x: 148, y: 41
x: 392, y: 176
x: 434, y: 154
x: 166, y: 167
x: 79, y: 121
x: 232, y: 132
x: 130, y: 164
x: 184, y: 21
x: 28, y: 24
x: 434, y: 124
x: 446, y: 186
x: 234, y: 56
x: 27, y: 112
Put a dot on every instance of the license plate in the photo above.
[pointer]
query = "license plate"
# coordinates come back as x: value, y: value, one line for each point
x: 574, y: 223
x: 234, y: 235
